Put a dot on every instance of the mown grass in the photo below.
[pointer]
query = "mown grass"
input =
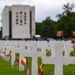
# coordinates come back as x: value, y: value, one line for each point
x: 6, y: 68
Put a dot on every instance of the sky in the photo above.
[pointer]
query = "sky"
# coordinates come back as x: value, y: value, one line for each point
x: 43, y: 8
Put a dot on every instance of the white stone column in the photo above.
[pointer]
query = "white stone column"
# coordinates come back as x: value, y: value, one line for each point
x: 21, y: 67
x: 58, y: 70
x: 33, y: 19
x: 52, y: 48
x: 34, y: 66
x: 12, y: 58
x: 67, y: 48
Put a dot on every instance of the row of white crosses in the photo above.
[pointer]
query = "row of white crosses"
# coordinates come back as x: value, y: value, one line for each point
x: 49, y: 45
x: 56, y: 53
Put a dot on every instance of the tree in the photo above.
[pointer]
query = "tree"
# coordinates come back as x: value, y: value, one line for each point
x: 46, y: 28
x: 39, y: 28
x: 66, y: 21
x: 67, y: 8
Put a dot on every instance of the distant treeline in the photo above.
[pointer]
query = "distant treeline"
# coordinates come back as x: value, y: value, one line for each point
x: 65, y: 23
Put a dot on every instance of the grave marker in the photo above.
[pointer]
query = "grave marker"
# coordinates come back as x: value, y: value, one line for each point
x: 58, y: 60
x: 67, y: 48
x: 28, y: 53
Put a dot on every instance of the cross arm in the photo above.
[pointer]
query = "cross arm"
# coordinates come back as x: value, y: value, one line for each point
x: 48, y: 60
x: 69, y: 60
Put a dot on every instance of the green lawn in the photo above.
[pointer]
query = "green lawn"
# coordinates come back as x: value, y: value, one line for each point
x: 67, y: 69
x: 6, y: 68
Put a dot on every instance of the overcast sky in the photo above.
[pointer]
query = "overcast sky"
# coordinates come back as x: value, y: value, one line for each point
x: 43, y: 8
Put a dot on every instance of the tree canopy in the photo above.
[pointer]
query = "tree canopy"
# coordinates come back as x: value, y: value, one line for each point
x: 65, y: 23
x: 46, y: 28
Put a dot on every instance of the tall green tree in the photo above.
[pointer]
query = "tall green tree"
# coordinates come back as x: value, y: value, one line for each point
x: 39, y: 27
x: 46, y: 28
x: 66, y: 21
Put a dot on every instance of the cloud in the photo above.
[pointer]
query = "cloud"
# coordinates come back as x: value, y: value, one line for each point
x: 46, y: 8
x: 43, y: 9
x: 10, y: 2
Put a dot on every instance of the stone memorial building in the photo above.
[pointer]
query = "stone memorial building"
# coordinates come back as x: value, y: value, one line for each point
x: 18, y: 21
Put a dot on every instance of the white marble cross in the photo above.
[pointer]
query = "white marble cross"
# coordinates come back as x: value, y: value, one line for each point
x: 50, y: 46
x: 14, y: 47
x: 24, y: 46
x: 59, y: 60
x: 29, y: 53
x: 7, y: 45
x: 42, y: 45
x: 67, y: 47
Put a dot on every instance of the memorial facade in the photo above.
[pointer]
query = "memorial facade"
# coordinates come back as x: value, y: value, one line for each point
x: 18, y: 21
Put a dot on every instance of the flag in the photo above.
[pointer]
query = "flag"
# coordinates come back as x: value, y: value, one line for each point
x: 28, y: 71
x: 46, y: 51
x: 15, y: 62
x: 71, y: 53
x: 10, y: 54
x: 23, y: 61
x: 4, y: 51
x: 2, y: 54
x: 41, y: 70
x: 73, y: 41
x: 6, y: 57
